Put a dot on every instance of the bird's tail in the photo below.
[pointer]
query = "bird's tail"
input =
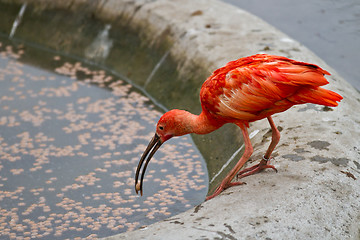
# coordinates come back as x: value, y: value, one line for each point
x: 317, y: 96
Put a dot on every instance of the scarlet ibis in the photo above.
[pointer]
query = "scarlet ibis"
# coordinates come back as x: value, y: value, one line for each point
x: 243, y: 91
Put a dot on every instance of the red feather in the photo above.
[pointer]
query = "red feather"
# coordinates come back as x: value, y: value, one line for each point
x: 258, y: 86
x: 243, y: 91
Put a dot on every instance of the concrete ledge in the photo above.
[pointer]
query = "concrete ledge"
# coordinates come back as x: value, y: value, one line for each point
x: 314, y: 194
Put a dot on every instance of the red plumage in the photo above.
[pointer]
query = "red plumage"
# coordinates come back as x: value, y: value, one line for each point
x: 258, y: 86
x: 243, y: 91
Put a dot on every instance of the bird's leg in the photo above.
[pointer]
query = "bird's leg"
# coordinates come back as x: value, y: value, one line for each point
x: 264, y: 163
x: 226, y: 183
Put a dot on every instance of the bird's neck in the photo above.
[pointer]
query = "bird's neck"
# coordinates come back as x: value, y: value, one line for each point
x: 203, y: 123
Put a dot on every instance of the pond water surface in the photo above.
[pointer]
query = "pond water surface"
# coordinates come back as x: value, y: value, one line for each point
x: 70, y: 140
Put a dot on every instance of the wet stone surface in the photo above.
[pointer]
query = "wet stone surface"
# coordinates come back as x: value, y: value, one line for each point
x: 320, y: 145
x: 69, y: 150
x: 335, y: 161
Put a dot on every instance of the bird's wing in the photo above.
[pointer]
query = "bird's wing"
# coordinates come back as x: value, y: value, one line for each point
x: 251, y: 90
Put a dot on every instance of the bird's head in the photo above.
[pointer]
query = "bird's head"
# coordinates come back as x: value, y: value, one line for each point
x: 172, y: 123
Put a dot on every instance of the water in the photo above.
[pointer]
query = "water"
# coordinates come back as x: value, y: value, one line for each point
x: 331, y: 29
x: 71, y: 135
x: 118, y: 48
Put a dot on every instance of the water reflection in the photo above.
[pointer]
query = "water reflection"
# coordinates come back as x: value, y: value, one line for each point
x: 100, y: 48
x: 68, y: 150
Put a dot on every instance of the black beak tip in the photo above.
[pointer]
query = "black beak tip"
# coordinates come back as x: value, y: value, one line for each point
x: 153, y: 146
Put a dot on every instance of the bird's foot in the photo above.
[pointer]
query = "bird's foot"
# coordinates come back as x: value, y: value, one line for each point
x: 224, y: 185
x: 264, y: 163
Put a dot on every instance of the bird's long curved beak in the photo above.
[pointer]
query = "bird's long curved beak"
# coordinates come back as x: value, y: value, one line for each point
x: 153, y: 146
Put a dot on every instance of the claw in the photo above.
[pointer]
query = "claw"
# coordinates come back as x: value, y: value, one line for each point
x: 222, y: 187
x: 264, y: 163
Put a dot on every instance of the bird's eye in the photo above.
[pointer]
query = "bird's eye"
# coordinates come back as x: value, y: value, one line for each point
x: 161, y: 127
